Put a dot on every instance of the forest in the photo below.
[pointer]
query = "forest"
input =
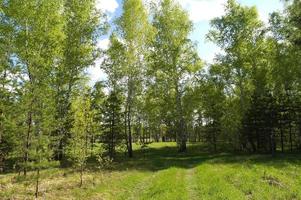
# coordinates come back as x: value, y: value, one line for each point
x: 164, y: 124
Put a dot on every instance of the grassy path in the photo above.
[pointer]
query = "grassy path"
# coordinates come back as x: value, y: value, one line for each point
x: 163, y: 174
x: 191, y: 184
x: 213, y: 185
x: 168, y: 185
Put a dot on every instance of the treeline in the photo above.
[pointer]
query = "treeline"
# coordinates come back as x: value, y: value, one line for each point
x: 254, y: 85
x: 157, y: 87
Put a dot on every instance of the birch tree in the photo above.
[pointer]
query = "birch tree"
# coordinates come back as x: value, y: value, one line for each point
x: 135, y: 33
x: 174, y: 57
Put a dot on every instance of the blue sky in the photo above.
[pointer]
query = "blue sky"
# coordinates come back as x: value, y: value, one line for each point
x: 200, y: 12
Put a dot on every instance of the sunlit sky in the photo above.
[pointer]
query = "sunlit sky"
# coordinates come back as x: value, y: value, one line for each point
x: 200, y: 12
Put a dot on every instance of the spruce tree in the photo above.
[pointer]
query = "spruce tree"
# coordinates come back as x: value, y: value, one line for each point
x: 113, y: 135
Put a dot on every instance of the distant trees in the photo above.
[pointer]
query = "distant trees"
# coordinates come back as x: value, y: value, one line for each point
x: 213, y: 106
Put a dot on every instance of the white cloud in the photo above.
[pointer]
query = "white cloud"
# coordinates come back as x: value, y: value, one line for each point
x: 107, y: 5
x: 103, y: 44
x: 203, y: 10
x: 95, y: 73
x: 263, y: 16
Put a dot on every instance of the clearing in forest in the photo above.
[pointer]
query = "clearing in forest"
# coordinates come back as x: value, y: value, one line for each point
x: 159, y: 172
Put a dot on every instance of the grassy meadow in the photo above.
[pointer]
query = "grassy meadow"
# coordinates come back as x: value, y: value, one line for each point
x: 159, y: 172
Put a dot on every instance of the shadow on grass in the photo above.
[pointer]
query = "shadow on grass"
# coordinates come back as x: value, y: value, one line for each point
x: 155, y: 159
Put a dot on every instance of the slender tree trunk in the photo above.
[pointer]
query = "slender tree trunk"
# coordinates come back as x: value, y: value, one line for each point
x: 214, y: 140
x: 81, y: 176
x: 112, y: 150
x: 37, y: 183
x: 299, y: 138
x: 258, y: 139
x: 272, y: 143
x: 29, y: 117
x: 64, y: 108
x: 1, y: 133
x: 129, y: 114
x: 290, y: 135
x: 289, y: 113
x: 92, y: 143
x: 281, y: 138
x: 130, y: 148
x: 125, y: 129
x: 86, y: 142
x: 27, y: 142
x: 181, y: 129
x: 1, y: 125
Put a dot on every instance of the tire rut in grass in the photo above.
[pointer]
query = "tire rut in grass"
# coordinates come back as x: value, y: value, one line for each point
x: 117, y: 186
x: 165, y: 184
x: 211, y: 183
x: 191, y: 184
x: 142, y: 186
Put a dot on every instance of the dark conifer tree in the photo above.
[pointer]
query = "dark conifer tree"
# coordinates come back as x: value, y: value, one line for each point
x: 113, y: 135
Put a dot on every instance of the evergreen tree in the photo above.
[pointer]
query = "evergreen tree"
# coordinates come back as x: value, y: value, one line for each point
x: 36, y: 37
x: 113, y: 135
x: 240, y: 34
x: 97, y: 104
x: 83, y: 24
x: 8, y: 104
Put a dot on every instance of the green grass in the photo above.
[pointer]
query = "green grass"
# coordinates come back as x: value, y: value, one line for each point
x: 159, y: 172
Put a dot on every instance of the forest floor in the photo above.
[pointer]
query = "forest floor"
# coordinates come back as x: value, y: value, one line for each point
x: 159, y: 172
